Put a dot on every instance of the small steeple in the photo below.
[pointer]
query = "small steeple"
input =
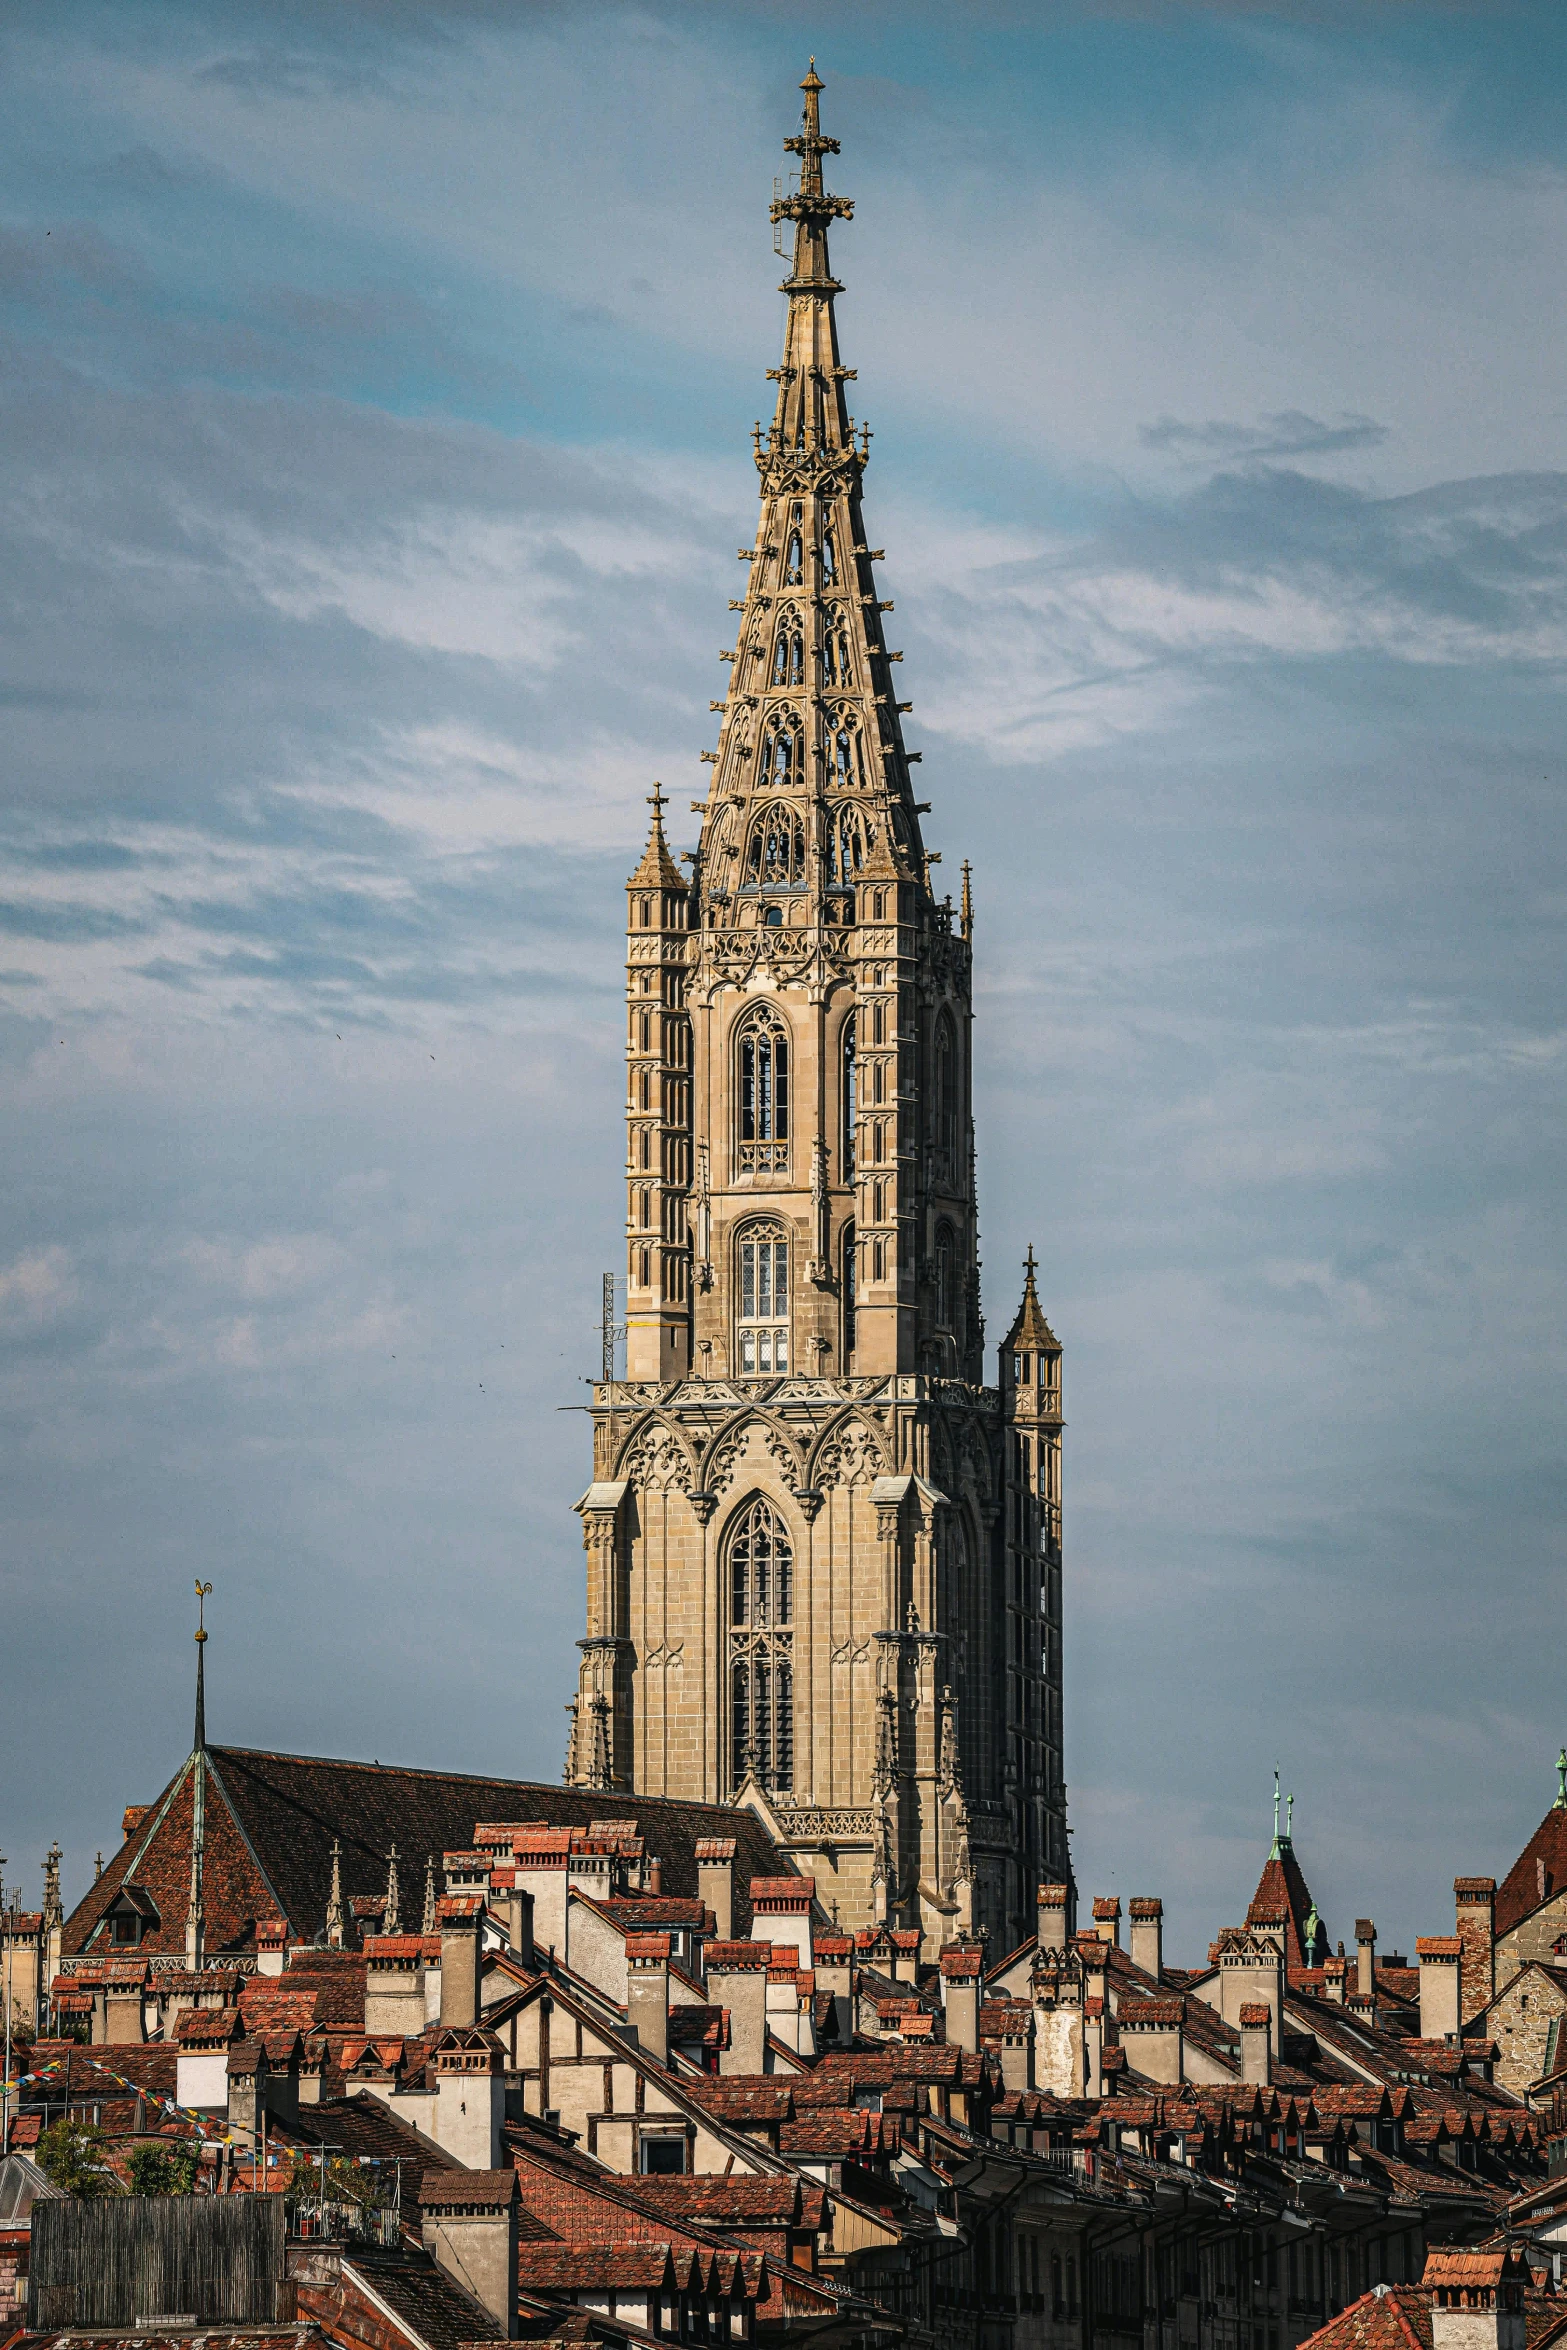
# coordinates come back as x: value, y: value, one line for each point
x: 1031, y: 1333
x: 195, y: 1912
x: 54, y: 1908
x: 203, y: 1591
x: 334, y: 1900
x: 966, y: 907
x: 427, y: 1924
x: 391, y: 1917
x: 658, y: 869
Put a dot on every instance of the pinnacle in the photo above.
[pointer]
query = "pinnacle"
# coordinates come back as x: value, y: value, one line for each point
x: 658, y: 869
x: 1031, y: 1330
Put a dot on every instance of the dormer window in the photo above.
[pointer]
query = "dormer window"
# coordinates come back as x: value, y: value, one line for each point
x: 132, y: 1917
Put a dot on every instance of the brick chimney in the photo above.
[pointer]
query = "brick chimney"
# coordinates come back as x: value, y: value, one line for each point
x: 1474, y: 1899
x: 737, y: 1979
x: 470, y: 2230
x: 1439, y: 1956
x: 1256, y: 2030
x: 647, y: 1993
x: 1148, y: 1935
x: 715, y: 1881
x: 1366, y: 1957
x: 1051, y: 1933
x: 1107, y: 1919
x: 960, y: 1989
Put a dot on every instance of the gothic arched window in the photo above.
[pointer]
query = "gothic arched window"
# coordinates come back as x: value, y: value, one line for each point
x: 944, y: 1300
x: 849, y: 841
x: 848, y: 1092
x: 762, y: 1301
x: 843, y: 751
x: 829, y: 557
x: 775, y: 858
x: 788, y: 654
x: 794, y: 548
x: 761, y: 1647
x: 762, y: 1093
x: 946, y: 1101
x: 780, y: 754
x: 837, y: 667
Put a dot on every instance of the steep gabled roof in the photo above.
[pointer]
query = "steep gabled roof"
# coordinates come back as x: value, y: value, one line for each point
x: 1539, y: 1871
x: 271, y: 1820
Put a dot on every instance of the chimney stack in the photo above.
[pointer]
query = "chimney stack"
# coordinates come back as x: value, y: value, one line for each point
x: 1148, y: 1936
x: 1477, y: 2299
x: 1107, y: 1919
x: 960, y: 1988
x: 1475, y: 1901
x: 1256, y: 2030
x: 647, y: 1993
x: 737, y: 1979
x: 1366, y: 1957
x: 458, y: 1915
x: 715, y: 1881
x: 1439, y: 1956
x: 470, y: 2229
x: 1052, y: 1917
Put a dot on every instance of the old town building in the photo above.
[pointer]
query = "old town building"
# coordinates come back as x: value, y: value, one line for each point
x: 824, y: 1558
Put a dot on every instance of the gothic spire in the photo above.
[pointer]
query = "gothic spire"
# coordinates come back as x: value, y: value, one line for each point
x: 334, y: 1901
x: 391, y: 1916
x: 811, y: 410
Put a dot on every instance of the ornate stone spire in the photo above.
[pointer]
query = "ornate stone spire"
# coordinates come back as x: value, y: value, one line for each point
x: 427, y: 1924
x: 54, y: 1909
x: 391, y: 1916
x: 195, y: 1913
x: 334, y: 1900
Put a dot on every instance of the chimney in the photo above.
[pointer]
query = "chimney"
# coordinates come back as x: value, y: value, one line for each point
x: 1477, y: 2299
x: 1439, y: 1955
x: 906, y: 1947
x: 1091, y: 1953
x: 647, y: 1993
x: 1366, y: 1957
x: 835, y: 1976
x: 1153, y: 2036
x: 1256, y: 2030
x: 394, y: 1986
x: 1017, y: 2046
x: 271, y: 1946
x: 1251, y: 1969
x: 470, y: 2230
x: 715, y: 1881
x: 515, y: 1903
x: 1475, y: 1901
x: 1107, y: 1919
x: 737, y: 1979
x: 458, y: 1915
x: 1052, y: 1917
x: 470, y: 2097
x: 1334, y: 1971
x: 655, y: 1876
x: 1148, y: 1936
x: 960, y: 1989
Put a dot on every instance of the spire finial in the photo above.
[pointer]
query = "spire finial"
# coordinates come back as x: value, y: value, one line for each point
x: 966, y: 905
x: 658, y: 802
x: 427, y: 1925
x: 334, y: 1900
x: 1561, y: 1782
x: 391, y: 1916
x: 1289, y: 1819
x: 203, y: 1591
x: 1275, y: 1811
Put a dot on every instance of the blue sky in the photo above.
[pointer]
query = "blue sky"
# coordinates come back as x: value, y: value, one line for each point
x: 377, y: 390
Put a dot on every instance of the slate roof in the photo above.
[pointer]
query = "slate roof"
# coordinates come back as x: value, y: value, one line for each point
x: 271, y: 1820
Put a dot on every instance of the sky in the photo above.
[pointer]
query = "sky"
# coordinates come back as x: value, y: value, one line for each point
x: 377, y: 388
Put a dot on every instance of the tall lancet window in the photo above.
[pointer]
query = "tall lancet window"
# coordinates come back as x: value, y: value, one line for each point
x: 780, y: 754
x: 849, y: 840
x: 837, y: 667
x: 829, y: 557
x: 761, y: 1648
x: 794, y: 550
x: 789, y: 655
x: 843, y: 752
x: 762, y: 1319
x: 946, y: 1136
x: 775, y: 858
x: 762, y: 1091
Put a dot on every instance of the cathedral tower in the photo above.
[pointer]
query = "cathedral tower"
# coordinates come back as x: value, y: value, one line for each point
x: 824, y: 1568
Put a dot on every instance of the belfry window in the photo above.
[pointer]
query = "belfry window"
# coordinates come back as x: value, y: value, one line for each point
x: 843, y: 750
x: 775, y: 858
x: 762, y: 1323
x: 837, y: 667
x: 762, y: 1086
x: 761, y: 1648
x: 788, y: 655
x: 829, y: 558
x: 780, y: 755
x: 946, y: 1098
x: 849, y: 841
x: 794, y: 551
